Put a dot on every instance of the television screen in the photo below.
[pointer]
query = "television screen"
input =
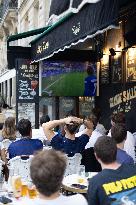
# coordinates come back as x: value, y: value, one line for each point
x: 68, y: 78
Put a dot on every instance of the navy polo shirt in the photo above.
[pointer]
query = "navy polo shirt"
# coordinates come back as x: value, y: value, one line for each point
x: 24, y: 146
x: 70, y: 147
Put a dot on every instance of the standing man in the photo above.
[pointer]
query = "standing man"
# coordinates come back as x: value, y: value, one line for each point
x: 116, y: 183
x: 90, y: 83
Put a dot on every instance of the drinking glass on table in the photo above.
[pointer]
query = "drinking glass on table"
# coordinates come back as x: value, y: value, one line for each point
x: 24, y: 188
x: 81, y: 171
x: 32, y: 192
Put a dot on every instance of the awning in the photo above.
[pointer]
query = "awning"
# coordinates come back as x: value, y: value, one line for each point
x: 91, y: 20
x: 26, y: 34
x: 8, y: 75
x: 67, y: 6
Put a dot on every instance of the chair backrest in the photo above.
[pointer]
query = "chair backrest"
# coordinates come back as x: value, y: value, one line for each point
x: 89, y: 161
x: 5, y: 143
x: 20, y: 165
x: 73, y: 164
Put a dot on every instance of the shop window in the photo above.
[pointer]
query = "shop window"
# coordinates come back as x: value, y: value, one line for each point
x: 86, y: 104
x: 47, y: 107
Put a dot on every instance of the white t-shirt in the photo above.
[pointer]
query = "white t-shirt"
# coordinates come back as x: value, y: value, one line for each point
x: 129, y: 145
x: 77, y: 199
x: 95, y: 135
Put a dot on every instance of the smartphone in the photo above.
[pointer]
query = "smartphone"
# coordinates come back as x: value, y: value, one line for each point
x: 79, y: 186
x: 5, y: 200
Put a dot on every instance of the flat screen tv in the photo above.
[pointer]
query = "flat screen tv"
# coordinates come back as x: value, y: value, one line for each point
x: 67, y: 78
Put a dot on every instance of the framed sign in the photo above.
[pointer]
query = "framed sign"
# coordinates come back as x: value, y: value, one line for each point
x: 131, y: 65
x: 104, y: 73
x: 116, y: 68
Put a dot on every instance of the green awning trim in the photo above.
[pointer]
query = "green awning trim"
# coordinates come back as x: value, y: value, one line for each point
x: 26, y: 34
x: 52, y: 27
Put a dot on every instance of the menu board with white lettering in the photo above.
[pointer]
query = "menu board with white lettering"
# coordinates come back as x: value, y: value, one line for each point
x: 131, y: 65
x: 27, y: 80
x: 27, y: 91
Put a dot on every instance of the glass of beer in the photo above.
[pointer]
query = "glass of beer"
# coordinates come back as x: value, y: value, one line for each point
x: 24, y: 189
x: 32, y: 193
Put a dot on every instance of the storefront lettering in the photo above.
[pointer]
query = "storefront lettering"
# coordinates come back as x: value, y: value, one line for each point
x: 124, y: 96
x: 44, y: 46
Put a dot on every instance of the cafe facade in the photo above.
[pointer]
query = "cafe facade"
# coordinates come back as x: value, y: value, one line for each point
x: 107, y: 43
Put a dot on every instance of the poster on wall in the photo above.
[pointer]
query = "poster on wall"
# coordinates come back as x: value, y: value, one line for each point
x: 27, y: 91
x: 66, y: 106
x: 131, y: 65
x: 27, y: 111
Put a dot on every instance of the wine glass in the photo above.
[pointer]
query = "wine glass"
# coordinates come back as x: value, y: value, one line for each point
x: 34, y: 84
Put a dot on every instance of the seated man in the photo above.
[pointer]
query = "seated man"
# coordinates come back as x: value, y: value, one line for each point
x: 68, y: 144
x: 47, y: 172
x: 119, y: 134
x: 115, y: 183
x: 26, y: 145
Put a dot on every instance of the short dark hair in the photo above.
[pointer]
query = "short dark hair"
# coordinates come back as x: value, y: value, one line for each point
x: 119, y: 132
x: 44, y: 119
x: 24, y: 127
x: 72, y: 128
x: 47, y: 171
x: 106, y: 149
x: 90, y: 70
x: 118, y: 117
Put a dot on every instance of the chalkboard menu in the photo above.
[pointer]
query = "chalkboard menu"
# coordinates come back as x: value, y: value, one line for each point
x: 27, y: 80
x: 27, y: 91
x: 104, y: 73
x: 131, y: 65
x: 116, y: 68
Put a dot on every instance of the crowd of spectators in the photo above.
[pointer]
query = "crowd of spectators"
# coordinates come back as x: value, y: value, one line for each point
x: 114, y: 152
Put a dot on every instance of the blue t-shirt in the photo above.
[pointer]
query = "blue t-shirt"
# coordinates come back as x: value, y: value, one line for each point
x: 123, y: 157
x: 24, y: 146
x: 90, y: 84
x: 70, y: 147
